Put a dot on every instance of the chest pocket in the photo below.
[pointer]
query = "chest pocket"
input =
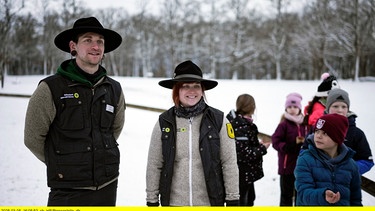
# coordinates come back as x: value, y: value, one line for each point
x: 72, y: 117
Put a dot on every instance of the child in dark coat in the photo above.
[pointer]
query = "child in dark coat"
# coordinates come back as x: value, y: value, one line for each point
x: 287, y: 140
x: 338, y: 102
x: 249, y: 150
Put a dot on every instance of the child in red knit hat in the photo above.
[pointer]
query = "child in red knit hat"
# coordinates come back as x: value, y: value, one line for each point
x: 326, y: 173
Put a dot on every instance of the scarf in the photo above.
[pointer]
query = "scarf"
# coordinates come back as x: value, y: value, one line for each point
x: 187, y: 112
x: 248, y: 119
x: 297, y: 119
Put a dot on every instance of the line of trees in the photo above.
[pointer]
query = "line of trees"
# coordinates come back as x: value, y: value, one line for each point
x: 224, y: 37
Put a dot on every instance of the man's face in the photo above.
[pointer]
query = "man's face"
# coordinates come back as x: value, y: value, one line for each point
x: 90, y: 49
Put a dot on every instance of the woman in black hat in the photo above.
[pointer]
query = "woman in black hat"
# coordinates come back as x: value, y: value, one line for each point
x: 75, y: 117
x: 192, y: 155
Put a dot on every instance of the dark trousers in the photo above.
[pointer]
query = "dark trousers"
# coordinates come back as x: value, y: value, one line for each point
x: 287, y: 190
x: 247, y: 195
x: 80, y: 197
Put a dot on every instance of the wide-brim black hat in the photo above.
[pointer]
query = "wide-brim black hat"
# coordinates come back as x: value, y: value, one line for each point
x: 188, y: 72
x: 112, y: 39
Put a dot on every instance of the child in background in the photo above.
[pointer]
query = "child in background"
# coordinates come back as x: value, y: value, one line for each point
x: 325, y: 173
x: 316, y: 107
x: 338, y: 102
x: 249, y: 150
x: 287, y: 140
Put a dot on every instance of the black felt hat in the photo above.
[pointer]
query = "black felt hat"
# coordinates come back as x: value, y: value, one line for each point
x: 187, y: 71
x: 90, y: 24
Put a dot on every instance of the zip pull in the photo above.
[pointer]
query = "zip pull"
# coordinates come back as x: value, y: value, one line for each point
x: 191, y: 120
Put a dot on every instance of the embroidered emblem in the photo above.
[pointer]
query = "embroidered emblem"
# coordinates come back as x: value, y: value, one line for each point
x: 230, y: 131
x: 183, y: 129
x: 320, y: 123
x: 69, y: 96
x: 166, y: 129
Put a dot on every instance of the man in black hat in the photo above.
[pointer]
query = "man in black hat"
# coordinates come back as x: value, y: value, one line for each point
x: 192, y: 157
x: 75, y: 117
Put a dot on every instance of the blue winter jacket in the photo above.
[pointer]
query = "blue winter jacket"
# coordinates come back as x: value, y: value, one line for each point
x: 316, y: 172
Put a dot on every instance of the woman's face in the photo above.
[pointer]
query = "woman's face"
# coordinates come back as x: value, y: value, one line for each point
x: 190, y: 94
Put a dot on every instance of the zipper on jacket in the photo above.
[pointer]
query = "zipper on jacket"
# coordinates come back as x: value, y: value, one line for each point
x: 190, y: 161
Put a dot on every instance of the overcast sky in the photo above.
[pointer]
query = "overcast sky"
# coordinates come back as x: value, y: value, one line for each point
x: 132, y: 6
x: 152, y: 7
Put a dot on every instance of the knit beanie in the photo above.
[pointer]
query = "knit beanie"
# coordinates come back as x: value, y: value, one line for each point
x: 336, y: 95
x: 335, y: 125
x: 329, y: 82
x: 293, y: 99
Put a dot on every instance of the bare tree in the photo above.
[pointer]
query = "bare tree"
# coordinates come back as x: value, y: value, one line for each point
x: 278, y: 37
x: 311, y: 39
x: 8, y: 12
x: 111, y: 18
x: 171, y: 18
x: 25, y: 55
x: 224, y: 37
x: 48, y: 29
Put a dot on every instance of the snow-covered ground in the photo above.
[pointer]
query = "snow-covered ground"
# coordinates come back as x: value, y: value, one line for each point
x: 23, y: 177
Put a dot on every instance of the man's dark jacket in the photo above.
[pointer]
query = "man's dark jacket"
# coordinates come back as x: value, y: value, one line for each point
x: 80, y: 148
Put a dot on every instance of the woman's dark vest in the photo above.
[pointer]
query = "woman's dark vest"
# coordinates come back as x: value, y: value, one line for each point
x: 209, y: 145
x: 80, y: 148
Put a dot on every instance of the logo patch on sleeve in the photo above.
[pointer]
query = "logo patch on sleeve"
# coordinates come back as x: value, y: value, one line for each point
x: 230, y: 131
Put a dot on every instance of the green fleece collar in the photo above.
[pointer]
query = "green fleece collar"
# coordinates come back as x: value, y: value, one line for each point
x: 70, y: 70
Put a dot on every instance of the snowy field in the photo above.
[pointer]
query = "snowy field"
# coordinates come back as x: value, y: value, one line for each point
x: 23, y: 177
